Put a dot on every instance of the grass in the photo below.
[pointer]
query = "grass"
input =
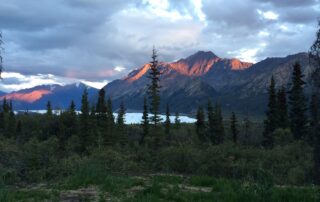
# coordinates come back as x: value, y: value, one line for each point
x: 155, y: 188
x: 13, y: 195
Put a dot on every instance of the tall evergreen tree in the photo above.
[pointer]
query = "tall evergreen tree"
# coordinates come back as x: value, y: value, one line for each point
x: 282, y: 109
x: 145, y: 121
x: 84, y: 135
x: 314, y: 115
x: 110, y: 115
x: 2, y: 121
x: 121, y: 114
x: 101, y: 108
x: 111, y: 137
x: 154, y: 89
x: 11, y: 122
x: 314, y: 55
x: 234, y: 127
x: 84, y: 115
x: 297, y: 102
x: 211, y: 123
x: 72, y: 123
x: 92, y: 112
x: 49, y: 109
x: 67, y: 125
x: 5, y: 106
x: 316, y: 154
x: 177, y: 121
x: 314, y: 58
x: 19, y: 133
x: 72, y: 108
x: 102, y: 118
x: 200, y: 124
x: 1, y: 57
x: 121, y: 127
x: 247, y: 128
x: 167, y: 121
x: 3, y: 114
x: 270, y: 124
x: 93, y: 132
x: 219, y: 126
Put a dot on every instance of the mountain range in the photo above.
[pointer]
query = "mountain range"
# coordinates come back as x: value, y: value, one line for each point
x: 36, y: 98
x: 185, y: 84
x: 192, y: 81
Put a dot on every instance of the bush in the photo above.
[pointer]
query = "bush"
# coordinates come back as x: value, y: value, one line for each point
x: 296, y: 176
x: 181, y: 159
x: 282, y: 136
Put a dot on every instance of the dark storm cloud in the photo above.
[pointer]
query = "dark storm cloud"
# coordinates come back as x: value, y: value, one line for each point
x: 39, y: 15
x: 290, y: 3
x: 265, y: 28
x: 302, y: 15
x: 44, y: 36
x: 235, y: 14
x: 94, y: 39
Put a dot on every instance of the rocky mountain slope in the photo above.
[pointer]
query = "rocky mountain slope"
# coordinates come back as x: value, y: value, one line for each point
x: 60, y: 96
x: 187, y: 83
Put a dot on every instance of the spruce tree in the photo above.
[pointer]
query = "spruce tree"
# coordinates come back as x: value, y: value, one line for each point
x: 316, y: 155
x: 19, y: 133
x: 72, y: 122
x: 11, y: 122
x: 84, y: 115
x: 1, y: 57
x: 111, y: 138
x: 145, y: 121
x: 270, y: 124
x: 177, y: 121
x: 5, y: 106
x: 121, y: 115
x: 92, y: 112
x: 72, y: 108
x: 84, y: 136
x: 93, y: 132
x: 200, y: 124
x: 314, y: 56
x: 167, y: 122
x: 314, y: 59
x: 314, y: 115
x: 2, y: 121
x: 4, y: 114
x: 211, y: 134
x: 154, y: 89
x: 121, y: 127
x: 282, y: 109
x: 247, y: 128
x: 234, y: 127
x: 102, y: 118
x: 297, y: 101
x: 109, y: 113
x: 219, y: 126
x: 101, y: 108
x: 49, y: 109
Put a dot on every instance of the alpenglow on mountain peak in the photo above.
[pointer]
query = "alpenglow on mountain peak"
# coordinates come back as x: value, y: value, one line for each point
x: 197, y: 64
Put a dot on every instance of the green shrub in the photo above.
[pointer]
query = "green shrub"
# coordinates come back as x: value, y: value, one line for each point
x: 181, y: 159
x: 282, y: 136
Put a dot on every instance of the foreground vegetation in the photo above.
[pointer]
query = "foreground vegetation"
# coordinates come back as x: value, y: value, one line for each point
x: 90, y: 184
x: 182, y: 169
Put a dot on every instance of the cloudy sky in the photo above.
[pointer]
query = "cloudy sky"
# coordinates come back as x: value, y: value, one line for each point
x: 96, y: 41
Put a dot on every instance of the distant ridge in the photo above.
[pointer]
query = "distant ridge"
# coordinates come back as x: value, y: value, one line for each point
x: 60, y: 96
x: 192, y: 81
